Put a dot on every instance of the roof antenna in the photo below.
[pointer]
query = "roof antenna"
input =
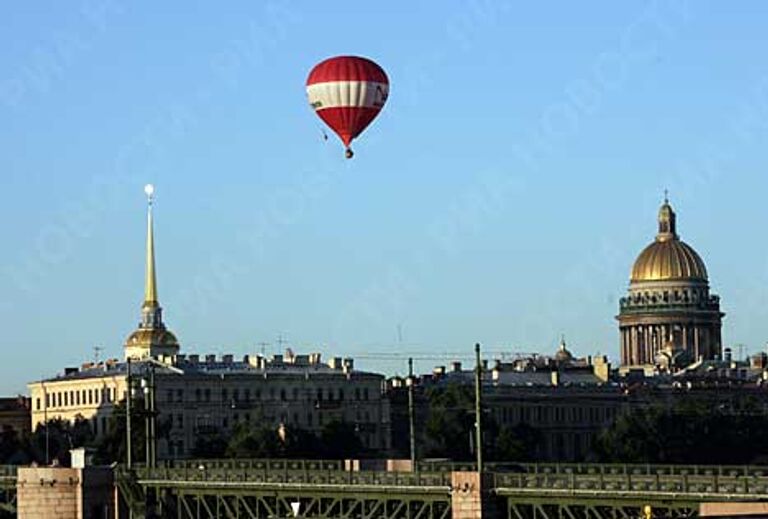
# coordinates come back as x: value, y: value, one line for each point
x: 666, y: 196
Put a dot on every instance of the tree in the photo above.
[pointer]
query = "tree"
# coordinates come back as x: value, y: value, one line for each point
x: 339, y: 440
x: 517, y: 443
x: 112, y: 446
x: 60, y: 436
x: 253, y: 442
x: 300, y: 444
x: 11, y: 447
x: 450, y: 422
x: 686, y: 434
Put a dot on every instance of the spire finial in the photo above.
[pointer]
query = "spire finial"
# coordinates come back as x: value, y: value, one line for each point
x: 666, y: 196
x: 150, y: 284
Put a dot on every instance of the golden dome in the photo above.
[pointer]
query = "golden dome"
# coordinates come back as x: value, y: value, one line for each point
x: 668, y: 258
x: 151, y: 336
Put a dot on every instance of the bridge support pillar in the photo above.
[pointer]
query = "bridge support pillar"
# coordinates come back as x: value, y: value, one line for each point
x: 472, y: 496
x: 66, y: 493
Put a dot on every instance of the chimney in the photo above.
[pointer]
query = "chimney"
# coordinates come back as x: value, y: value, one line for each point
x: 194, y: 358
x: 227, y: 359
x: 456, y: 366
x: 555, y: 378
x: 210, y: 359
x: 728, y: 355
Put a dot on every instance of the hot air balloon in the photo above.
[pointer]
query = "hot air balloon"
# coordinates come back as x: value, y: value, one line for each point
x: 347, y: 92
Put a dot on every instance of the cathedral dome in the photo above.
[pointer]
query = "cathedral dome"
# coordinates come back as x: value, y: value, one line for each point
x: 668, y: 258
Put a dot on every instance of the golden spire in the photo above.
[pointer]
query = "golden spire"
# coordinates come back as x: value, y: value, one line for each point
x: 150, y: 287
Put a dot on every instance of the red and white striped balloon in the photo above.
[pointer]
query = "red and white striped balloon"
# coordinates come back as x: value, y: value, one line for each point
x: 347, y: 92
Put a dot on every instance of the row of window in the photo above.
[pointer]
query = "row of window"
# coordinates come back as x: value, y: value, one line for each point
x: 76, y: 398
x: 555, y: 414
x: 283, y: 394
x: 97, y: 396
x: 177, y: 420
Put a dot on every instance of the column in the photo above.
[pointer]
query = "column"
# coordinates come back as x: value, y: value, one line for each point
x: 696, y: 350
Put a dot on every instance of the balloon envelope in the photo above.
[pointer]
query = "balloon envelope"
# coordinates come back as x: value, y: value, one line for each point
x: 347, y: 92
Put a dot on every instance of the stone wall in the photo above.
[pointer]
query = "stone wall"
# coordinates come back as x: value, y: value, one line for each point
x: 65, y: 493
x: 471, y: 496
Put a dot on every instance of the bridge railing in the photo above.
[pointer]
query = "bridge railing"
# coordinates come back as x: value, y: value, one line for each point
x: 8, y: 475
x: 259, y: 464
x: 165, y: 476
x: 601, y: 468
x: 715, y: 483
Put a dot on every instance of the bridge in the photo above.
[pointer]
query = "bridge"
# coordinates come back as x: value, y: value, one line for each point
x: 325, y: 489
x: 248, y: 489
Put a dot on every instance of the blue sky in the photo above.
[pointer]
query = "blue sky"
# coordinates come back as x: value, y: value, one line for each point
x: 501, y: 196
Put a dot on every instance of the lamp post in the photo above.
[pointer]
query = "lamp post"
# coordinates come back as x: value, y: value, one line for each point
x: 411, y: 424
x: 478, y: 409
x: 129, y: 395
x: 148, y: 385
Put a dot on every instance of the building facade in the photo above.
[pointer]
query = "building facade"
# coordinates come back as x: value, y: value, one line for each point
x: 197, y: 395
x: 669, y: 316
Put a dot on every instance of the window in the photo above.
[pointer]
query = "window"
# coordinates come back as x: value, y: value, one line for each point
x: 38, y: 404
x: 282, y: 394
x: 179, y: 395
x: 247, y: 394
x: 224, y: 394
x: 207, y: 393
x: 180, y: 421
x: 169, y: 395
x: 235, y: 394
x: 198, y: 394
x: 295, y: 393
x: 365, y: 393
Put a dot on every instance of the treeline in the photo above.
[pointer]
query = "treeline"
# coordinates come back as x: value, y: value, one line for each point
x: 690, y: 432
x: 51, y: 443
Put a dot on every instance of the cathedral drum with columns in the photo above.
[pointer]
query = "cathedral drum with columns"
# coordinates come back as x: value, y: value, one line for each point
x: 669, y: 316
